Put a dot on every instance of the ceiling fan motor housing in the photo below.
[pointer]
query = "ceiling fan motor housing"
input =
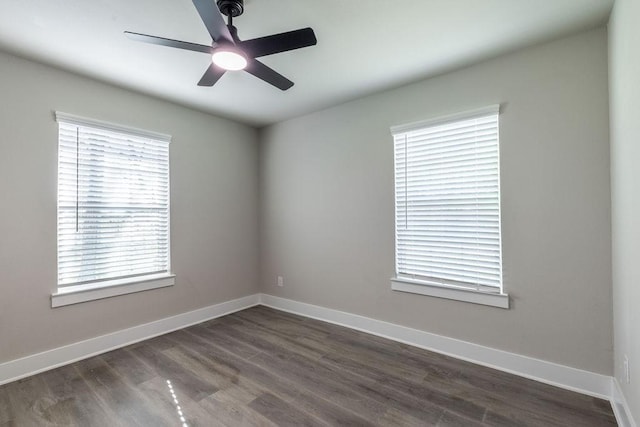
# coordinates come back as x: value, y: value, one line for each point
x: 231, y: 8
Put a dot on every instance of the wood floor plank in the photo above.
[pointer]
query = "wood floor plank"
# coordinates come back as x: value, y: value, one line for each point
x: 532, y: 405
x: 173, y: 406
x: 450, y: 419
x: 241, y: 349
x: 278, y: 339
x: 232, y: 414
x: 282, y: 413
x: 123, y: 401
x: 128, y: 366
x: 325, y: 372
x: 555, y: 418
x: 238, y: 371
x: 525, y: 393
x: 495, y: 419
x: 235, y: 393
x: 490, y: 380
x: 346, y: 355
x: 464, y: 407
x: 362, y: 397
x: 205, y: 372
x: 349, y: 347
x: 395, y: 417
x: 328, y: 412
x: 452, y: 402
x: 512, y: 405
x: 325, y: 387
x: 248, y: 391
x: 5, y: 408
x: 74, y: 398
x: 284, y: 324
x: 254, y: 340
x: 189, y: 384
x: 29, y: 400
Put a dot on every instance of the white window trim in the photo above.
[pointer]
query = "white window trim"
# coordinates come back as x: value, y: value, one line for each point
x: 84, y: 121
x: 75, y: 294
x: 446, y: 119
x: 500, y: 300
x: 401, y: 284
x: 109, y: 288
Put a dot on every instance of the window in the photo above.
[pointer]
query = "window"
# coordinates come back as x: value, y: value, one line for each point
x: 447, y: 204
x: 113, y: 210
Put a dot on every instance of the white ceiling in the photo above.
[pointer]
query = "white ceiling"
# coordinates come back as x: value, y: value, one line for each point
x: 363, y: 45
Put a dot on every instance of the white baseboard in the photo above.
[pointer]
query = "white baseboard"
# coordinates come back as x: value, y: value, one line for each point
x: 620, y: 406
x: 40, y: 362
x: 547, y: 372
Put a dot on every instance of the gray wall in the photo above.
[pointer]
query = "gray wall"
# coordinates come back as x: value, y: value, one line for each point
x: 213, y: 208
x: 624, y: 72
x: 326, y: 211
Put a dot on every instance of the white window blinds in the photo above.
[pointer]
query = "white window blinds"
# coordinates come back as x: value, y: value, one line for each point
x: 447, y: 184
x: 113, y: 202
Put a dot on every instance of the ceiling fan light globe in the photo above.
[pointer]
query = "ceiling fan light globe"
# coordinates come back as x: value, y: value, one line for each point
x: 229, y: 60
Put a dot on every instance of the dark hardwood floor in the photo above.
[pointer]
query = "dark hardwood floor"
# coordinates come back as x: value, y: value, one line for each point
x: 263, y: 367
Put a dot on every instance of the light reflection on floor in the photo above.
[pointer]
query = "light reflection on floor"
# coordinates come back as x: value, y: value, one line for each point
x: 177, y: 403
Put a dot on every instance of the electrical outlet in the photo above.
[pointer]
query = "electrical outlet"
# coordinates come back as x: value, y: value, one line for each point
x: 280, y: 281
x: 627, y: 374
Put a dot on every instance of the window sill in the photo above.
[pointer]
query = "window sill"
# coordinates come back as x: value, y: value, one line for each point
x: 110, y: 288
x: 458, y: 294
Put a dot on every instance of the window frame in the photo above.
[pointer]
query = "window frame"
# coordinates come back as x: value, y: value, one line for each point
x: 93, y: 290
x: 492, y: 297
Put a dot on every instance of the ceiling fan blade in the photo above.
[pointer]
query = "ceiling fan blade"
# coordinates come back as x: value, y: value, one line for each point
x: 168, y: 42
x: 213, y: 20
x: 277, y: 43
x: 267, y: 74
x: 211, y: 76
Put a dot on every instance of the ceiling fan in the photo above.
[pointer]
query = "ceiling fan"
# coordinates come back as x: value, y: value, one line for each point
x: 228, y: 52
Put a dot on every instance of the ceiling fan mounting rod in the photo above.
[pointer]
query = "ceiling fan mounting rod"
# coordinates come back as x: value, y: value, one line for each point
x: 231, y: 8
